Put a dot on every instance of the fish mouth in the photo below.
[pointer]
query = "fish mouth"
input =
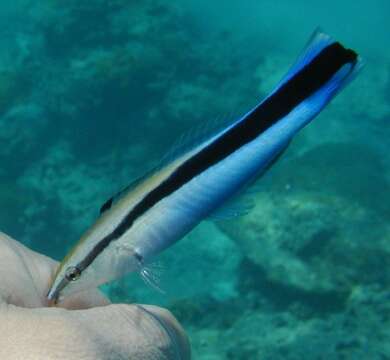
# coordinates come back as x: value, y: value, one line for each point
x: 52, y: 302
x: 53, y: 295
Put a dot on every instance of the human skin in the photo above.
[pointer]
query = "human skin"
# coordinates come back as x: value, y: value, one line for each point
x: 83, y: 327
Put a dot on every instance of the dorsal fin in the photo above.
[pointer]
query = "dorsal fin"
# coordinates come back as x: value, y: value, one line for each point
x: 184, y: 143
x: 107, y: 205
x: 114, y: 199
x: 195, y: 136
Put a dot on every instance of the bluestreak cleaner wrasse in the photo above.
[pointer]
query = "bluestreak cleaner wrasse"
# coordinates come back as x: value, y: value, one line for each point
x: 161, y: 207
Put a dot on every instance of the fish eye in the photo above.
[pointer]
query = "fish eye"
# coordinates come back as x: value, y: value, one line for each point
x: 72, y: 273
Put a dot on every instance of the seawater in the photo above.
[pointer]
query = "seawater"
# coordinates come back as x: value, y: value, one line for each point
x: 93, y: 93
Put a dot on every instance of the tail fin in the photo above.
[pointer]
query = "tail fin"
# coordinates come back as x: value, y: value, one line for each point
x: 318, y: 42
x: 321, y: 71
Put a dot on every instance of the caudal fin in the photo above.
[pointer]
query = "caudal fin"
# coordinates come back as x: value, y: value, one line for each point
x: 321, y: 71
x: 319, y: 43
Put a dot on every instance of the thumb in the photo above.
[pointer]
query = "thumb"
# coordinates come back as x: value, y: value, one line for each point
x: 99, y: 333
x: 135, y: 331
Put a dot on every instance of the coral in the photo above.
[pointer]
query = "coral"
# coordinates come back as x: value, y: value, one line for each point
x: 329, y: 168
x: 260, y: 332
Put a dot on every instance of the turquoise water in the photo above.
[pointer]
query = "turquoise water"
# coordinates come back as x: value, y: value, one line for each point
x: 92, y: 93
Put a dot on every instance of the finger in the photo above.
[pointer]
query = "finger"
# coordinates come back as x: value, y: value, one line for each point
x: 44, y: 333
x: 26, y: 275
x: 108, y: 332
x: 173, y: 328
x: 135, y: 331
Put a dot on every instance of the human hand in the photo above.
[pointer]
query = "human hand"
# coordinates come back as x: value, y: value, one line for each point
x: 86, y: 327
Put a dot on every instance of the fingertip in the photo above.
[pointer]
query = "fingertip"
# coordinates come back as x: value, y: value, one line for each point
x: 173, y: 329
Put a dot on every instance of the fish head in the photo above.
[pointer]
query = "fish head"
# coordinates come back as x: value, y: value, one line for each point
x: 70, y: 278
x: 77, y: 273
x: 67, y: 280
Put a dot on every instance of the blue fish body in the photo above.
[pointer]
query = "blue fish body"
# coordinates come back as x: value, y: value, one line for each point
x: 247, y: 147
x: 161, y: 208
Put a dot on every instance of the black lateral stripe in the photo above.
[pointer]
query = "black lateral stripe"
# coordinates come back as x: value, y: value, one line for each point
x: 303, y: 84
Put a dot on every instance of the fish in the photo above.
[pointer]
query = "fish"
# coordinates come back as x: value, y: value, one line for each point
x: 159, y: 208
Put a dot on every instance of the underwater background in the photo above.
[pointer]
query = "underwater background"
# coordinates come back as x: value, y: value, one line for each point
x: 92, y: 93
